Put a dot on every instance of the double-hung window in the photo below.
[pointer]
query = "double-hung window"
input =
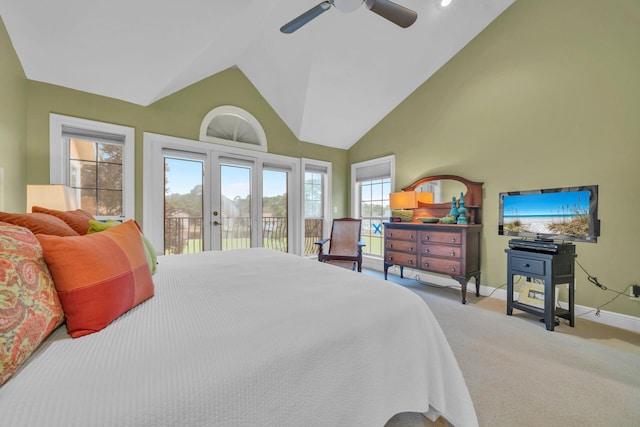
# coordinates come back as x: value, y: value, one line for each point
x: 316, y: 188
x: 371, y: 183
x: 97, y: 160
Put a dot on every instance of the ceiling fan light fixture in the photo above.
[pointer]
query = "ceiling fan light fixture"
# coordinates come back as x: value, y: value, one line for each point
x: 347, y: 5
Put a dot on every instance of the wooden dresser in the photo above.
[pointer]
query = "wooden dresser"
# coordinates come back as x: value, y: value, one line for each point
x: 449, y: 249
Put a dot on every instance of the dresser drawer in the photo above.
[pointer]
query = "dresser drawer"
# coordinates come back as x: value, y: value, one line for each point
x: 395, y: 234
x: 525, y: 265
x: 400, y: 245
x: 450, y: 237
x: 441, y: 250
x: 441, y: 265
x: 399, y: 258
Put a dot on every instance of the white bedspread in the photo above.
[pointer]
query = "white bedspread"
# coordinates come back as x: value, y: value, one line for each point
x: 247, y: 338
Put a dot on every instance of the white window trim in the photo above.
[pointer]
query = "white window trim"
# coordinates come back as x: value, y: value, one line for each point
x: 355, y: 194
x: 230, y: 109
x: 327, y: 215
x: 58, y: 154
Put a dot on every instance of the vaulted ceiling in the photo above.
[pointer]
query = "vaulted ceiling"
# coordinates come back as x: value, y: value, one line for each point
x: 330, y: 82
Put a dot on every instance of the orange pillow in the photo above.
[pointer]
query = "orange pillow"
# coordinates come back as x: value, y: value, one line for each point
x: 29, y: 306
x: 39, y: 223
x: 98, y: 276
x: 78, y: 219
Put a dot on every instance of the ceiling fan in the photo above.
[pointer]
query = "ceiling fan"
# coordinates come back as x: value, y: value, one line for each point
x: 389, y: 10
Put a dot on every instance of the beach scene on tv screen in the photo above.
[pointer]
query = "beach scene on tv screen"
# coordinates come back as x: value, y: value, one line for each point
x: 560, y: 213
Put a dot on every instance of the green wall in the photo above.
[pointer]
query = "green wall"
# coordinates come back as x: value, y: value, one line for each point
x: 547, y: 96
x: 177, y: 115
x: 13, y: 127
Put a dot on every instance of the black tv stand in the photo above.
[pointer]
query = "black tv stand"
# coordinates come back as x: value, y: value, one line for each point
x: 551, y: 268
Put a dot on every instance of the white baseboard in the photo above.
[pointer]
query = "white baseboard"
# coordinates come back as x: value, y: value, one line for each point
x: 623, y: 321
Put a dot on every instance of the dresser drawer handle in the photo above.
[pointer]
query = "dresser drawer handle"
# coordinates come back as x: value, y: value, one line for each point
x: 453, y: 240
x: 390, y: 245
x: 389, y: 258
x: 427, y: 250
x: 453, y: 253
x: 410, y: 248
x: 426, y: 264
x: 411, y: 236
x: 426, y: 237
x: 410, y: 261
x: 453, y: 268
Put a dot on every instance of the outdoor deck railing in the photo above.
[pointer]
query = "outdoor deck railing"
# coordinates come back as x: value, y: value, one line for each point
x: 184, y: 235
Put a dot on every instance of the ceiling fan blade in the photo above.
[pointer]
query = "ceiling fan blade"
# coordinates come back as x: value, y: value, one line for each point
x: 301, y: 20
x: 395, y: 13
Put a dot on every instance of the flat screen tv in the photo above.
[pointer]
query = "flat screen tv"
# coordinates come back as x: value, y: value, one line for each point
x: 569, y: 213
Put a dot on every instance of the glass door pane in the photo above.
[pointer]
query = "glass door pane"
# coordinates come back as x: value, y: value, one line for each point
x: 183, y: 205
x: 313, y: 210
x: 235, y: 206
x: 275, y: 226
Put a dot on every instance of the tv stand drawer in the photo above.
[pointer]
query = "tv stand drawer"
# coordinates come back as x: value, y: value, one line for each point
x: 528, y: 265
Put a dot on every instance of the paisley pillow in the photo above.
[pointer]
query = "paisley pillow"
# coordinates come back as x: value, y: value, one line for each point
x: 29, y: 306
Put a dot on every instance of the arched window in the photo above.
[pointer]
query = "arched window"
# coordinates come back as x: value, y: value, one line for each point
x: 229, y: 125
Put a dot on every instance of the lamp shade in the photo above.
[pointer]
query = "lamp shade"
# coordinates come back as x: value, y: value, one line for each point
x: 54, y: 196
x: 403, y: 200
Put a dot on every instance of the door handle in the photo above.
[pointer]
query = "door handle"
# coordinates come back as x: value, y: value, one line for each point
x: 216, y: 223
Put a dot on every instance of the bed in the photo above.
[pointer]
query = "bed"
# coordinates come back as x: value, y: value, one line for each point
x: 250, y: 337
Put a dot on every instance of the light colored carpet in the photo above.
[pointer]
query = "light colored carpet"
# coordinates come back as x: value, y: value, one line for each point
x: 518, y: 373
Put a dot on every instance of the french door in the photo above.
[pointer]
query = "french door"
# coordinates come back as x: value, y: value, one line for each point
x: 233, y: 207
x: 219, y: 198
x: 250, y: 204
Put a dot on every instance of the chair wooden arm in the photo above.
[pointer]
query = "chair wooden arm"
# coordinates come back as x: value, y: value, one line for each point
x: 321, y: 242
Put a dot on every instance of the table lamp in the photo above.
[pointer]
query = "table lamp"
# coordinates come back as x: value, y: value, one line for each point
x: 401, y: 203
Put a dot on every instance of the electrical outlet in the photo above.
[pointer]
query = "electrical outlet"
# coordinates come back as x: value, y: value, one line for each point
x: 634, y: 292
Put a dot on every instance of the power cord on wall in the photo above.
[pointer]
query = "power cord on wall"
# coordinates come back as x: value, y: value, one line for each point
x: 595, y: 281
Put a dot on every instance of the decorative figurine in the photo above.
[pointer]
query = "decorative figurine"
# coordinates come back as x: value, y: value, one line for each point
x: 454, y: 209
x: 462, y: 217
